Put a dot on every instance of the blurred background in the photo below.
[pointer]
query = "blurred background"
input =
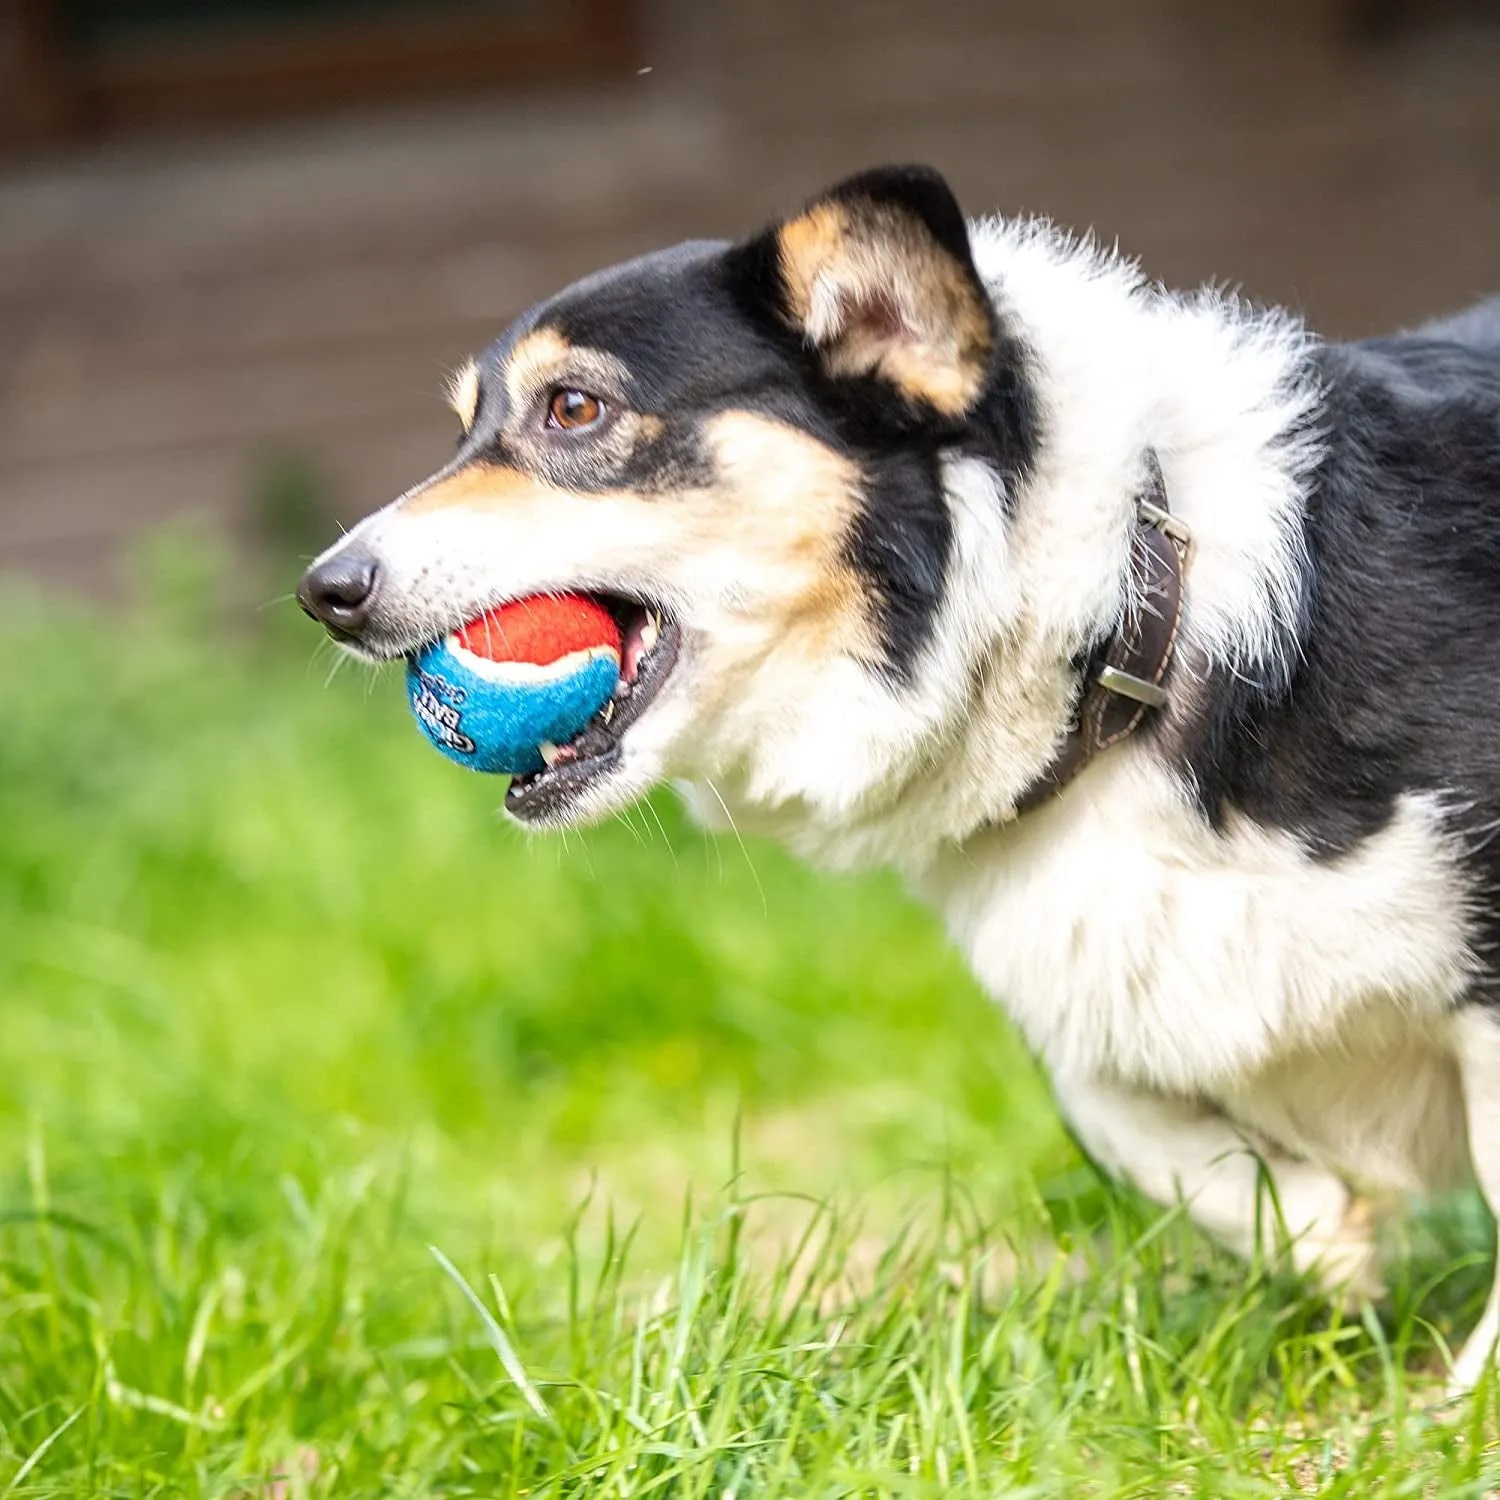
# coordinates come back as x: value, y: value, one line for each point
x: 282, y: 999
x: 243, y: 237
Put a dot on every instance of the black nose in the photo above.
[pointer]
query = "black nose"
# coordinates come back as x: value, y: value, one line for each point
x: 340, y: 590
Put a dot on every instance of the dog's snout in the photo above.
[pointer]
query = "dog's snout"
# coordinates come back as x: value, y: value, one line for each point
x: 340, y: 590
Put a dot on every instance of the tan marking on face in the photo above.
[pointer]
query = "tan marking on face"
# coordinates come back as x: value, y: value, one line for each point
x: 533, y: 362
x: 545, y: 360
x: 793, y: 501
x: 463, y: 393
x: 477, y: 486
x: 873, y: 289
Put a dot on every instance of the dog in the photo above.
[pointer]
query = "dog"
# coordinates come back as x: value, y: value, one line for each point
x: 1153, y: 639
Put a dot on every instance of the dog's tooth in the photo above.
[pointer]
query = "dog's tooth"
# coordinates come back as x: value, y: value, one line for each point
x: 607, y: 712
x: 650, y: 630
x: 549, y: 752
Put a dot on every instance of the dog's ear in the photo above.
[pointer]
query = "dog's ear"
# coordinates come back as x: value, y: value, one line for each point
x: 876, y: 275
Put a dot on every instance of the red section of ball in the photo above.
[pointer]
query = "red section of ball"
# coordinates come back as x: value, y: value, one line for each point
x: 540, y: 629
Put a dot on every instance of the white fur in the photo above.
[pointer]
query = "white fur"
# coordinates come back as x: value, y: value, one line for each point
x: 1198, y: 958
x: 1477, y: 1043
x: 1217, y: 392
x: 1245, y: 1193
x: 1306, y: 1002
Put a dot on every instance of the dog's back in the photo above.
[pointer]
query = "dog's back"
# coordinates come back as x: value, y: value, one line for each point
x: 1476, y: 328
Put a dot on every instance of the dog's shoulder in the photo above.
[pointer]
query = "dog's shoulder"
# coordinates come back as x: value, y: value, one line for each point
x: 1411, y: 442
x: 1475, y: 328
x: 1397, y: 684
x: 1409, y: 397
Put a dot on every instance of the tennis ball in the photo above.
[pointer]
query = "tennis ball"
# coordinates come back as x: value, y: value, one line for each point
x: 531, y: 672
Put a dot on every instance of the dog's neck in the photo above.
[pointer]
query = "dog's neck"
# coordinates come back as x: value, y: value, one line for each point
x: 1224, y: 397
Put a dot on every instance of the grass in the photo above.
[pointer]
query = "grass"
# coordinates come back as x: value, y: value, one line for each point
x: 352, y: 1145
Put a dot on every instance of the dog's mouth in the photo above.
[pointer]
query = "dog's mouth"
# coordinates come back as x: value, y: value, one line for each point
x: 649, y: 643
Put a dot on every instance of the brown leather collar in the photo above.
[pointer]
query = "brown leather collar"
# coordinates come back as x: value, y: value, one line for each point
x: 1123, y: 678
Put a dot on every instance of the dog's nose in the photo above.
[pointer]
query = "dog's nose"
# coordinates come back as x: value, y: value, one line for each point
x: 339, y: 590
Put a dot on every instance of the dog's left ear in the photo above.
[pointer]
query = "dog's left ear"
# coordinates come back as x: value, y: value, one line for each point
x: 877, y: 276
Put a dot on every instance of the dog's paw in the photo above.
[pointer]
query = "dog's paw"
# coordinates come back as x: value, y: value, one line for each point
x: 1474, y: 1359
x: 1338, y: 1250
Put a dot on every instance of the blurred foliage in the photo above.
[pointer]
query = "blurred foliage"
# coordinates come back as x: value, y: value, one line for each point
x: 289, y: 509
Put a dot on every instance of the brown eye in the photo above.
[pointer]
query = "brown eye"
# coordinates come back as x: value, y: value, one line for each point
x: 571, y: 410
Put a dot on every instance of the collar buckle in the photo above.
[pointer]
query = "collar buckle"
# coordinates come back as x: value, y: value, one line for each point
x: 1168, y: 524
x: 1127, y: 680
x: 1152, y: 694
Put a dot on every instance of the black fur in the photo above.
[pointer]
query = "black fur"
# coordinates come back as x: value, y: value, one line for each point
x: 686, y: 353
x: 1395, y: 680
x: 900, y: 543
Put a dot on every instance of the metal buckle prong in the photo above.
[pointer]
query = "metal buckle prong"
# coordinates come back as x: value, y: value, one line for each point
x: 1128, y: 686
x: 1164, y: 520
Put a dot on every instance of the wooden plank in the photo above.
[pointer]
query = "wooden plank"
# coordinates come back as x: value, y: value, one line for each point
x: 101, y: 411
x: 1027, y: 80
x: 61, y: 518
x: 403, y: 185
x: 1058, y: 166
x: 38, y: 100
x: 293, y: 69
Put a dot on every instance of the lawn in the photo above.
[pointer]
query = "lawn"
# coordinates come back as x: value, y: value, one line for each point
x: 353, y: 1144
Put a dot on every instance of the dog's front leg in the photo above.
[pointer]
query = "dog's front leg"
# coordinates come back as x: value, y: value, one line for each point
x: 1178, y: 1150
x: 1477, y: 1045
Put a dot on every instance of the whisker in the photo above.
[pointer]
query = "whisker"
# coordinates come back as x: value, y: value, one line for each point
x: 588, y: 856
x: 650, y: 808
x: 1482, y: 836
x: 645, y: 826
x: 710, y: 842
x: 750, y: 863
x: 634, y: 832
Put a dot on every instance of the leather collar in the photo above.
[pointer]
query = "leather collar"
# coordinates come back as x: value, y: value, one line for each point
x: 1124, y: 677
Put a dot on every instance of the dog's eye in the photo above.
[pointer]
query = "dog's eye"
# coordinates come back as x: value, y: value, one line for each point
x: 572, y: 410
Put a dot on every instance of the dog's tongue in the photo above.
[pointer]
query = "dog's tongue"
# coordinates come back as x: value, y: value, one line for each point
x: 639, y: 639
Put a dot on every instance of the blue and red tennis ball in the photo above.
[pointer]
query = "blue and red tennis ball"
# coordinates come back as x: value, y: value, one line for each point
x: 528, y: 674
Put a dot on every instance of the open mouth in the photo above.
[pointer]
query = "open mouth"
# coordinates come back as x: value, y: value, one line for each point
x: 649, y: 643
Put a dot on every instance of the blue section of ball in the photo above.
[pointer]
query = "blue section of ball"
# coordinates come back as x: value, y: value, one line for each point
x: 493, y: 716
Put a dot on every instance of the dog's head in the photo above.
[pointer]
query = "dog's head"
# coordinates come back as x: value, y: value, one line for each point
x: 745, y: 449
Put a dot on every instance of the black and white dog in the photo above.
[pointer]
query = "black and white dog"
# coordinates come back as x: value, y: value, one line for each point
x: 1155, y: 640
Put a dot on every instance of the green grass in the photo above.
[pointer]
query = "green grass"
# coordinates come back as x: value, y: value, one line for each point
x: 352, y: 1145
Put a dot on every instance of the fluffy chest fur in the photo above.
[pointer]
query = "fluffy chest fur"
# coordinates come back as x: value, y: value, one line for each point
x: 1130, y: 942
